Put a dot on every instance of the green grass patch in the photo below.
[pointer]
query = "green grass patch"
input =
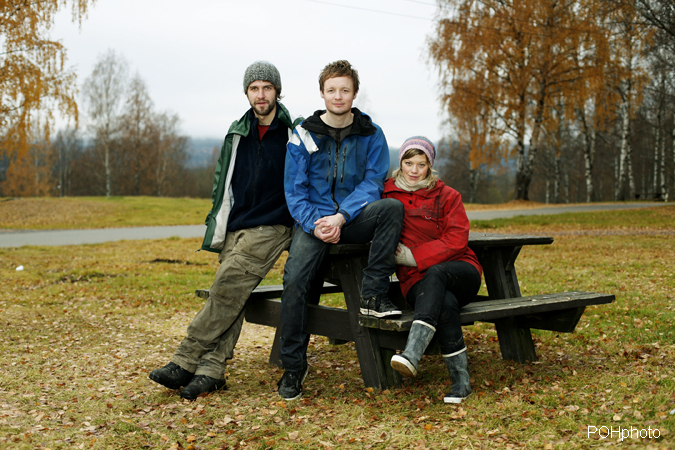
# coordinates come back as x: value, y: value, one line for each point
x: 659, y: 218
x: 50, y: 213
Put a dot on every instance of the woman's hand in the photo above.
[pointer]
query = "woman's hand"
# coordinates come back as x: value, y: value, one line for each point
x: 404, y: 256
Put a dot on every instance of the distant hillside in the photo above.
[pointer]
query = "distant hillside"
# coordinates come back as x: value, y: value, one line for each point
x: 200, y: 151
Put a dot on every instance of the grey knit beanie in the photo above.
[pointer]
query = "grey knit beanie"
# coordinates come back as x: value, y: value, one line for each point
x: 264, y: 71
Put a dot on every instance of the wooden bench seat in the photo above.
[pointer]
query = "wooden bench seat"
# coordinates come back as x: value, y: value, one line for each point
x: 554, y: 312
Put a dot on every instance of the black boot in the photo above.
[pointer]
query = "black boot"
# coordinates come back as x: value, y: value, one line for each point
x: 458, y: 367
x: 201, y: 384
x: 171, y: 376
x: 419, y: 337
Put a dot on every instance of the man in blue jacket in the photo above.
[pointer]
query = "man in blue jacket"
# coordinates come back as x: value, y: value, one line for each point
x: 336, y: 164
x: 249, y: 226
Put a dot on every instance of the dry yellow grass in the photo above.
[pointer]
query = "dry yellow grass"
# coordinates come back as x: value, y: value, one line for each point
x: 83, y: 325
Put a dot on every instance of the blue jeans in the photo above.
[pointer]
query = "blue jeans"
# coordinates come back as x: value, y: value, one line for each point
x: 379, y: 222
x: 438, y: 297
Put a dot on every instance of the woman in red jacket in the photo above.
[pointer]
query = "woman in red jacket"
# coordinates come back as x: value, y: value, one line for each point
x: 438, y: 272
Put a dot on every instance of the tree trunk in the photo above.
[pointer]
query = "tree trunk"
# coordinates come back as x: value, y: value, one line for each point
x: 567, y: 188
x: 524, y: 175
x: 556, y: 179
x: 619, y: 193
x: 657, y: 151
x: 474, y: 175
x: 521, y: 190
x: 662, y: 171
x: 589, y: 155
x: 107, y: 169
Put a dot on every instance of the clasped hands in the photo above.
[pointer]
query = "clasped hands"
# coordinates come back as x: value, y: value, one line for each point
x: 328, y: 228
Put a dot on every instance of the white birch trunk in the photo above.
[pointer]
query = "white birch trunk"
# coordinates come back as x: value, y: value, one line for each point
x: 657, y: 151
x: 556, y: 179
x: 567, y: 188
x: 662, y: 171
x: 623, y: 154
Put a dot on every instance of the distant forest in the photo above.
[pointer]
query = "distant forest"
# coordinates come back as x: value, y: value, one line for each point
x: 556, y: 102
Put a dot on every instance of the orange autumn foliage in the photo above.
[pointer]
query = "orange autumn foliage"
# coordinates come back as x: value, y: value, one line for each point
x: 512, y: 61
x: 34, y: 84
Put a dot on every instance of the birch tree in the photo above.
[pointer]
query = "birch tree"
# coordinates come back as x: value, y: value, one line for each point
x: 514, y: 57
x: 104, y: 94
x: 628, y: 44
x: 34, y: 81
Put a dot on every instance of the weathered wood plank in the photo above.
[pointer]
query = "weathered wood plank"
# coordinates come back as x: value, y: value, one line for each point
x: 477, y: 240
x: 274, y: 291
x: 492, y: 310
x: 321, y: 320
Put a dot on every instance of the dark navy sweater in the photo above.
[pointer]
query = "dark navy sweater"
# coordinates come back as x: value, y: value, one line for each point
x: 258, y: 178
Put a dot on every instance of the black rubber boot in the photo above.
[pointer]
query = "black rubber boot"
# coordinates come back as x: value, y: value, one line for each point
x: 458, y: 367
x: 420, y: 335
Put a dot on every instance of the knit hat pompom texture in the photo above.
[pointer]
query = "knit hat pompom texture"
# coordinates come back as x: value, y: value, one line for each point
x: 421, y: 143
x: 264, y: 71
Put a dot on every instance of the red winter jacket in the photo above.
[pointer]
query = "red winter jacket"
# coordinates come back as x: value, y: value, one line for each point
x: 435, y: 228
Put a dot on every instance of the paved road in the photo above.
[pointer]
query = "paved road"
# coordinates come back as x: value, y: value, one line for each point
x: 77, y: 237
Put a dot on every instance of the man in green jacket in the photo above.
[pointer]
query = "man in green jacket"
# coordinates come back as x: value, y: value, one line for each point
x: 249, y: 226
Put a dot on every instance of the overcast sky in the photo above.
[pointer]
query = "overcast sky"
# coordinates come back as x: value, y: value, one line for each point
x: 192, y: 55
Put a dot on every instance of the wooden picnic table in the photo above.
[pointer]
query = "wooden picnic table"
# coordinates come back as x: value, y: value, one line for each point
x: 376, y: 340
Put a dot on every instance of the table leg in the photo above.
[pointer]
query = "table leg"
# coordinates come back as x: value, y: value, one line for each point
x: 502, y: 282
x: 500, y: 272
x: 366, y: 340
x: 515, y: 342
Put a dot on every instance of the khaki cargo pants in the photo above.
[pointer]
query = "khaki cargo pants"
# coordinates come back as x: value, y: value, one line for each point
x: 245, y: 260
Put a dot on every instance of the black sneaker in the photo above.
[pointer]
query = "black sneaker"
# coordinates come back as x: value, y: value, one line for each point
x: 290, y: 385
x: 379, y: 306
x: 365, y: 305
x: 201, y: 384
x: 171, y: 376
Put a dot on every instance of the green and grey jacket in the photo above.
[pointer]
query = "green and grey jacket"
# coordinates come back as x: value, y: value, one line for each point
x: 222, y: 197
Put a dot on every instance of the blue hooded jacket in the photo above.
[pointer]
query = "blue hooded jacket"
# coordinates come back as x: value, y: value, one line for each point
x: 323, y: 177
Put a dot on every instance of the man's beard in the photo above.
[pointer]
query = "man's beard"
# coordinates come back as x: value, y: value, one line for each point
x: 266, y: 110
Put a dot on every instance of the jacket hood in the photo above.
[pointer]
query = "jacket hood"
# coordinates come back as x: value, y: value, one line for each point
x: 390, y: 186
x: 243, y: 125
x: 361, y: 126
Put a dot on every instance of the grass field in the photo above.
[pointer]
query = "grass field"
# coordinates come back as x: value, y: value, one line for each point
x: 51, y: 213
x: 83, y: 325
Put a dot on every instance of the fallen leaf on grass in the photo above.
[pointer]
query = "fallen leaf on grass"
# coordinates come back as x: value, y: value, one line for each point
x: 293, y: 435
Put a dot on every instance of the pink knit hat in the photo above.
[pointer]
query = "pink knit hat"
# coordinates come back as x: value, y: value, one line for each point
x: 421, y: 143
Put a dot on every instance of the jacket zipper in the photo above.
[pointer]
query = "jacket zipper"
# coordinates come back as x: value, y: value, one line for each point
x: 330, y: 152
x: 344, y: 156
x: 335, y: 173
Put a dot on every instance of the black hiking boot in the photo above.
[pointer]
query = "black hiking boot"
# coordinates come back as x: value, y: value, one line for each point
x: 201, y: 384
x: 171, y: 376
x: 290, y: 385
